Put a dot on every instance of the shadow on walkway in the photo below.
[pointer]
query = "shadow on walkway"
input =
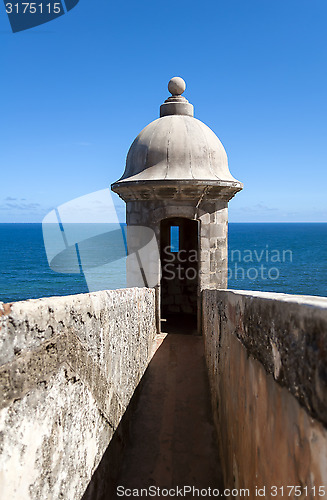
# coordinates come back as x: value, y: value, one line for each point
x: 185, y: 324
x: 170, y: 434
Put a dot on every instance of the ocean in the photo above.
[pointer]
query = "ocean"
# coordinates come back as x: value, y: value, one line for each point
x: 275, y: 257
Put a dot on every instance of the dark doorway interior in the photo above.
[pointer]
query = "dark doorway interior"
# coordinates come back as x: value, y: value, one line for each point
x: 179, y: 281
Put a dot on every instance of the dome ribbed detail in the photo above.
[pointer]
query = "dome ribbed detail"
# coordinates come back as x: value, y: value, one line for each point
x: 177, y: 147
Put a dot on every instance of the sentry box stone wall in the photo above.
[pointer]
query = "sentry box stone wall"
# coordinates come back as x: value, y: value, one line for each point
x: 267, y: 364
x: 177, y: 176
x: 69, y: 367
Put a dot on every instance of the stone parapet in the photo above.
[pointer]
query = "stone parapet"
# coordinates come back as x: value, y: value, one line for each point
x: 69, y: 367
x: 266, y: 355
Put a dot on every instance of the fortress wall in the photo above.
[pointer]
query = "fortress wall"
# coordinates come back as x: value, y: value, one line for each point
x: 68, y: 369
x: 267, y: 361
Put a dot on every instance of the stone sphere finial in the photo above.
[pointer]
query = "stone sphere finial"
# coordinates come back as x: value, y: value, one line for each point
x: 176, y: 85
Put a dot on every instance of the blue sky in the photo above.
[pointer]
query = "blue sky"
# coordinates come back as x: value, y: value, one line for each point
x: 76, y: 92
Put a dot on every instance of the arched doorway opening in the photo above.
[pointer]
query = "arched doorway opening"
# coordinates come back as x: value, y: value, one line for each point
x: 179, y: 250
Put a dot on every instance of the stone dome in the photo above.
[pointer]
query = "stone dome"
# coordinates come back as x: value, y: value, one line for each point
x: 177, y: 148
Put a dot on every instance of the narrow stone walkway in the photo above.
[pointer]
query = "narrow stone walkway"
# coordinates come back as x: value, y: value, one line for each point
x: 172, y: 434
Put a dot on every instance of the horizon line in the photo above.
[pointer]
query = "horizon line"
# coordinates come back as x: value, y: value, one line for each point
x: 229, y: 222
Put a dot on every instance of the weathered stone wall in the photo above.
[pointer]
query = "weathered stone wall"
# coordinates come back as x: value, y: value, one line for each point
x: 68, y: 369
x: 213, y: 217
x: 267, y: 362
x: 212, y: 252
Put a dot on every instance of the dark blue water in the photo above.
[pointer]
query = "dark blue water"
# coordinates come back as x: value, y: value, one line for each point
x: 289, y: 258
x: 24, y: 269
